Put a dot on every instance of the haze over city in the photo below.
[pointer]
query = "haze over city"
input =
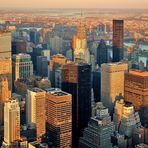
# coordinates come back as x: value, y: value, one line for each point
x: 142, y: 4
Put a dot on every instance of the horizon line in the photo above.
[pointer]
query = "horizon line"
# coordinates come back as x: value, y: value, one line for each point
x: 80, y: 8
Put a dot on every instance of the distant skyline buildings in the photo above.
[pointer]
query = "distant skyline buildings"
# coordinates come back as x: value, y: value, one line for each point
x: 75, y: 4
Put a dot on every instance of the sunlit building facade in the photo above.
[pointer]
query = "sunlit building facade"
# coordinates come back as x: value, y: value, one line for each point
x: 81, y: 52
x: 5, y: 45
x: 59, y: 117
x: 136, y: 88
x: 11, y: 122
x: 112, y: 83
x: 35, y: 111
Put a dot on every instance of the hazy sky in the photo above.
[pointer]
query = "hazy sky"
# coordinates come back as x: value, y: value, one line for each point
x: 75, y: 3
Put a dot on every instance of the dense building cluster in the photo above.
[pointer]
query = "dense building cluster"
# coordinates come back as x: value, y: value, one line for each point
x: 65, y: 87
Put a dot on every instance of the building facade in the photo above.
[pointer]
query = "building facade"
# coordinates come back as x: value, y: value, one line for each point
x: 59, y: 117
x: 136, y: 88
x: 118, y: 36
x: 22, y: 66
x: 99, y: 130
x: 81, y: 51
x: 102, y: 53
x: 35, y: 111
x: 76, y: 80
x: 112, y: 83
x: 5, y: 45
x: 11, y: 122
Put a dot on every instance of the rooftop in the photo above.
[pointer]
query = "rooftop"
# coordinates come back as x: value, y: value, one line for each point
x: 115, y: 63
x: 138, y: 72
x: 56, y: 92
x: 36, y: 89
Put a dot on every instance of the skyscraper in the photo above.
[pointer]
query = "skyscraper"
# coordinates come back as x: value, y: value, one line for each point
x: 22, y: 66
x: 97, y: 84
x: 5, y: 45
x: 81, y: 51
x: 125, y: 118
x: 5, y: 92
x: 4, y: 97
x: 57, y: 61
x: 102, y: 53
x: 6, y: 70
x: 35, y: 110
x: 76, y: 80
x: 11, y: 122
x: 118, y: 36
x: 112, y: 83
x: 42, y: 66
x: 99, y: 130
x: 136, y: 88
x: 59, y: 117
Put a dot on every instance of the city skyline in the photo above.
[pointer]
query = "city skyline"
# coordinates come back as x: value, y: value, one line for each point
x: 74, y: 4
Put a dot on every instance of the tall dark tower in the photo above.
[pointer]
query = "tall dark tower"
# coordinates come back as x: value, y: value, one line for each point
x: 118, y: 35
x: 102, y: 53
x: 76, y: 80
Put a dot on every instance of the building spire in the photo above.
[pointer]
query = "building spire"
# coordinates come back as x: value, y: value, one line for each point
x: 81, y: 34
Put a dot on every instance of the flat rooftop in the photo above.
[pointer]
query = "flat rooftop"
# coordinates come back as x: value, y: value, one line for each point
x: 36, y: 89
x: 138, y: 73
x: 115, y: 63
x: 56, y: 92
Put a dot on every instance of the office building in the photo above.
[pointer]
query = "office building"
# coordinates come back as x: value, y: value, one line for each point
x: 112, y: 83
x: 97, y: 84
x: 59, y: 117
x: 55, y: 44
x: 138, y: 136
x: 118, y: 36
x: 19, y: 46
x: 118, y: 140
x: 4, y: 88
x: 6, y: 70
x: 58, y: 77
x: 102, y: 53
x: 4, y: 97
x: 35, y: 111
x: 56, y: 62
x: 22, y: 66
x: 136, y: 88
x: 125, y: 118
x: 76, y: 80
x: 99, y: 130
x: 5, y: 45
x: 11, y: 122
x: 34, y: 35
x: 42, y: 66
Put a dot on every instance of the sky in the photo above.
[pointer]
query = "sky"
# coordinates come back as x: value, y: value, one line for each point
x: 142, y: 4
